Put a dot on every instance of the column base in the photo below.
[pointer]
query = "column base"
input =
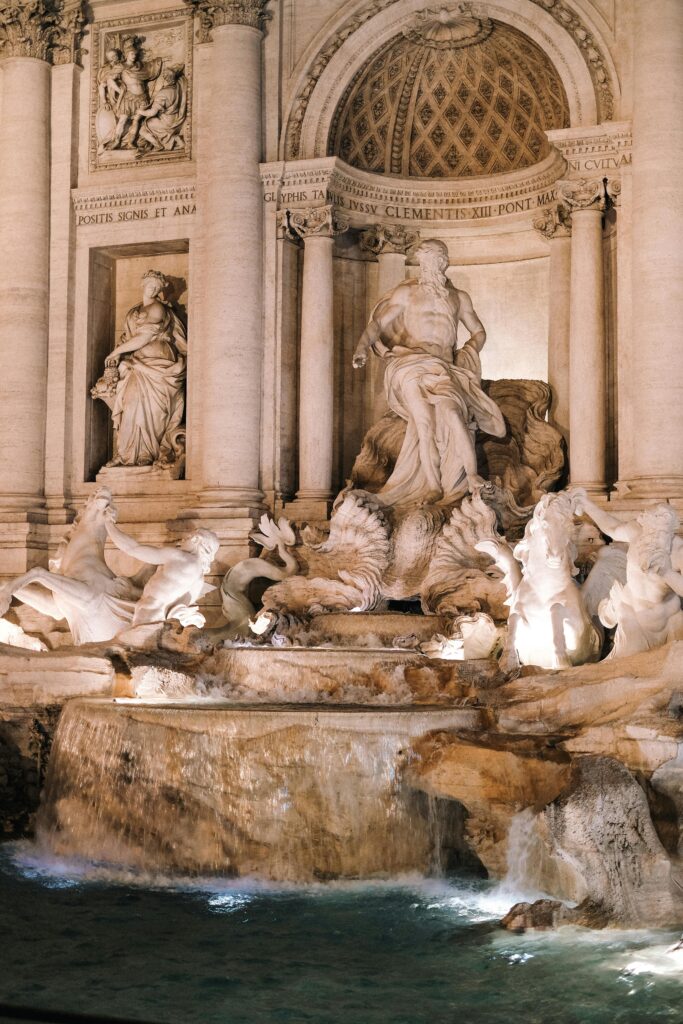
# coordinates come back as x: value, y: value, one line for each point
x: 652, y: 488
x: 24, y: 541
x: 309, y: 507
x: 595, y: 488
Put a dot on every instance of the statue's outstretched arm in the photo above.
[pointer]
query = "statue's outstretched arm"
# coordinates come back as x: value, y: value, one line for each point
x: 143, y: 552
x: 605, y: 521
x: 130, y: 345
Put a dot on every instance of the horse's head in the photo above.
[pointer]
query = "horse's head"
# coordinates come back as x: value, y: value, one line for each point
x: 548, y: 541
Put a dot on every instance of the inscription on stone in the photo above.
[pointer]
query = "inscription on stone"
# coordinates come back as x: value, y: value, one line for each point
x: 136, y: 205
x: 448, y: 209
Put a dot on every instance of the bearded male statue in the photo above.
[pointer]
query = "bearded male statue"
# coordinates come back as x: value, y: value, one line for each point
x: 430, y: 383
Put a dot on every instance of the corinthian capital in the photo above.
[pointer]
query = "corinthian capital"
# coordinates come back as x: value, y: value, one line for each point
x: 554, y: 222
x: 47, y: 29
x: 318, y: 220
x: 584, y: 194
x: 394, y: 238
x: 214, y: 13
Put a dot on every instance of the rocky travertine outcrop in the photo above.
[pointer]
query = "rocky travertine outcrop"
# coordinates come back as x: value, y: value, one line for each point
x: 277, y: 793
x: 585, y: 765
x: 597, y: 752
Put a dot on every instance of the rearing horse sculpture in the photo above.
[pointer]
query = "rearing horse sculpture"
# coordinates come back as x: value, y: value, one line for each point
x: 553, y: 621
x: 79, y: 586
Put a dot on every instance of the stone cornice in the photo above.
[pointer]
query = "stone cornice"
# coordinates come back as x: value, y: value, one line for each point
x: 49, y: 30
x: 315, y: 221
x: 604, y: 148
x: 371, y: 199
x: 91, y: 199
x: 214, y: 13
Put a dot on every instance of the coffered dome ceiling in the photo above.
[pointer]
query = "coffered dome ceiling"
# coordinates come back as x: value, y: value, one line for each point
x: 453, y: 96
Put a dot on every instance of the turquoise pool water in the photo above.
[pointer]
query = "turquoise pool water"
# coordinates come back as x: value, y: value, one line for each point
x: 83, y: 939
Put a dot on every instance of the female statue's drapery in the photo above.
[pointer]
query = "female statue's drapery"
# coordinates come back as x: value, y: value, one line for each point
x: 150, y: 396
x: 144, y: 382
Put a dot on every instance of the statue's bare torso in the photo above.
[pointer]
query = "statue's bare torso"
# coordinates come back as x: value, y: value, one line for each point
x: 415, y: 317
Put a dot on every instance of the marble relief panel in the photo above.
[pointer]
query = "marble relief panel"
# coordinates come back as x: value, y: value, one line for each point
x: 141, y: 102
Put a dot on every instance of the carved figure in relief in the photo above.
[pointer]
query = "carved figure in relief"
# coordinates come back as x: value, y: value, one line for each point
x: 109, y: 89
x: 160, y: 123
x: 144, y: 381
x: 430, y: 383
x: 553, y: 621
x: 176, y: 586
x: 79, y: 586
x: 646, y: 606
x: 135, y: 77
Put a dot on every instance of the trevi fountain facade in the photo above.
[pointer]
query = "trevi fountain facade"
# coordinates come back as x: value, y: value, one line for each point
x: 341, y: 476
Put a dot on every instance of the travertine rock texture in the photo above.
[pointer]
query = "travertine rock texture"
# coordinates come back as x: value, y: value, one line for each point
x: 596, y: 755
x: 290, y: 795
x: 572, y: 778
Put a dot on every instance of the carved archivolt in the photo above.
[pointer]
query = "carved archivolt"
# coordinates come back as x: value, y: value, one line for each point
x: 437, y: 102
x: 594, y: 57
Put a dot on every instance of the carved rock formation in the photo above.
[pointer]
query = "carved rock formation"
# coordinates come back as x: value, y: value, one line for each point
x: 529, y: 460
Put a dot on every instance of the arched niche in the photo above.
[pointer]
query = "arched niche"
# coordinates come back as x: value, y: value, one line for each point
x: 575, y: 49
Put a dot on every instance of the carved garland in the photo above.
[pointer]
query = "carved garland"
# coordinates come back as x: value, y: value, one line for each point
x: 561, y: 12
x: 47, y: 29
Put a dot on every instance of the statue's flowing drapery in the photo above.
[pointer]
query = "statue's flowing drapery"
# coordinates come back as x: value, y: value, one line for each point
x: 150, y: 396
x: 438, y: 382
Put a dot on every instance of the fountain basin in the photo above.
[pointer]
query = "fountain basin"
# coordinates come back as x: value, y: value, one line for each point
x: 285, y: 794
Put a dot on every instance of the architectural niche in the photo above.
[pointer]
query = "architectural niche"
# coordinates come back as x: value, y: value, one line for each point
x: 453, y: 96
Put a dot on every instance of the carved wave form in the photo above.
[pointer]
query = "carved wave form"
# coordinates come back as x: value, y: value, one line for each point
x: 460, y: 578
x: 345, y: 570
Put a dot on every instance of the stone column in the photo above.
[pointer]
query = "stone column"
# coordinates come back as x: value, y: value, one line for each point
x: 587, y: 354
x: 654, y: 417
x: 231, y: 286
x: 317, y: 227
x: 391, y: 245
x: 555, y: 226
x: 31, y: 35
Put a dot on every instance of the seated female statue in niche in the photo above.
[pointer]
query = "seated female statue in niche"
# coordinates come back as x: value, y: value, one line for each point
x: 144, y: 382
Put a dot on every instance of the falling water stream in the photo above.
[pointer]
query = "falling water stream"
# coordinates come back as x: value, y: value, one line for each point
x: 253, y: 866
x: 283, y: 794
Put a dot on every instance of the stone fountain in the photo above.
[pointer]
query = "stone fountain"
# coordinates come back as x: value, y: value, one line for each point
x: 385, y: 695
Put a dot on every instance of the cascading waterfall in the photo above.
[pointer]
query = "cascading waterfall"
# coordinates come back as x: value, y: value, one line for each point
x: 523, y: 851
x: 289, y: 795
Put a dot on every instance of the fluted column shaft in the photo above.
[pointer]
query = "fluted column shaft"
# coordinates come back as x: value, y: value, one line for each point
x: 233, y: 332
x: 655, y: 417
x: 24, y: 278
